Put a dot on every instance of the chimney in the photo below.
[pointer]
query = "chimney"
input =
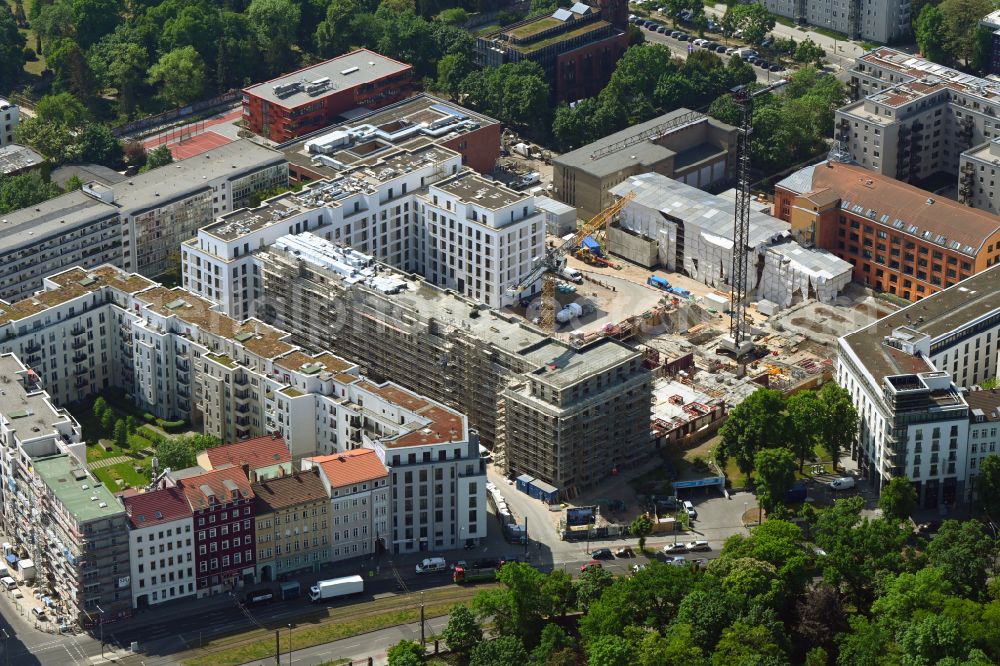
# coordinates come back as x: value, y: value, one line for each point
x: 246, y: 471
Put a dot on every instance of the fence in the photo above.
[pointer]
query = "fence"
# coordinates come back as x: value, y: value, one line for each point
x: 150, y: 122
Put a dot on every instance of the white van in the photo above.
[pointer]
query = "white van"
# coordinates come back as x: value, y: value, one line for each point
x: 39, y: 613
x: 9, y: 583
x: 690, y: 510
x: 843, y: 483
x: 431, y: 564
x: 744, y: 53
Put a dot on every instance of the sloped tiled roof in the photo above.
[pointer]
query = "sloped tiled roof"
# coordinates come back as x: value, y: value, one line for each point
x: 258, y: 453
x: 156, y: 507
x: 286, y: 491
x: 350, y: 467
x: 219, y: 483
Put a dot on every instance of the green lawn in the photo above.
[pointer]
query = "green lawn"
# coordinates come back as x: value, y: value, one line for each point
x: 109, y: 476
x: 38, y: 65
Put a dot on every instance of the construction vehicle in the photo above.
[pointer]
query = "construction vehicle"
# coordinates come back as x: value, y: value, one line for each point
x: 554, y: 261
x: 739, y: 342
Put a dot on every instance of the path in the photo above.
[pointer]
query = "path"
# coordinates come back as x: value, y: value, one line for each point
x: 108, y: 462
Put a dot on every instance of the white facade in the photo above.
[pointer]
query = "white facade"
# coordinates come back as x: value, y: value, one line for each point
x: 162, y: 560
x: 905, y: 374
x: 456, y: 228
x: 10, y: 117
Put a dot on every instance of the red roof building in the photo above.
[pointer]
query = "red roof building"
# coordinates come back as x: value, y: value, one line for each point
x: 222, y: 503
x: 260, y: 458
x: 161, y: 547
x: 349, y: 468
x: 312, y: 98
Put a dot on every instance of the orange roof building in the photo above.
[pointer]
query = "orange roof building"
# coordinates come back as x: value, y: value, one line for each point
x: 260, y: 458
x: 899, y: 239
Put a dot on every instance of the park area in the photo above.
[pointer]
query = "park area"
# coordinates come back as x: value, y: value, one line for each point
x: 122, y: 442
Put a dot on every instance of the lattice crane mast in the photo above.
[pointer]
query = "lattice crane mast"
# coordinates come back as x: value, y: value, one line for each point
x: 739, y: 342
x: 555, y: 258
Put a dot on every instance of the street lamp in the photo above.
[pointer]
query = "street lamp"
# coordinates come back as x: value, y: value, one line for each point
x: 6, y: 655
x: 289, y: 642
x: 101, y: 621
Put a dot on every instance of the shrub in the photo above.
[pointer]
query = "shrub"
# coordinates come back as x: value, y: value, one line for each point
x: 172, y: 426
x: 148, y: 417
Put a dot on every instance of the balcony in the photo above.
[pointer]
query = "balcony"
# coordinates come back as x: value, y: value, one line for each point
x: 32, y: 348
x: 182, y: 365
x: 77, y: 329
x: 81, y: 382
x: 243, y: 395
x: 79, y: 344
x: 81, y: 370
x: 32, y: 359
x: 241, y: 380
x: 79, y: 357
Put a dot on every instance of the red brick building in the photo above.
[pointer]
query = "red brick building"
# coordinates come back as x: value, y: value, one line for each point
x: 900, y: 239
x: 222, y: 504
x: 309, y: 99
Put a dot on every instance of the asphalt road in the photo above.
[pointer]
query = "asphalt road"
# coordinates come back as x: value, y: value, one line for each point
x: 680, y: 49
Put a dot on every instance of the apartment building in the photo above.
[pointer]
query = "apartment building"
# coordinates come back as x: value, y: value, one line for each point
x: 573, y: 422
x: 460, y: 231
x: 10, y: 118
x: 884, y: 21
x: 314, y: 97
x: 913, y: 119
x: 137, y: 224
x: 898, y: 238
x: 577, y: 46
x: 161, y: 546
x: 222, y: 507
x: 906, y: 375
x: 432, y: 341
x: 293, y: 525
x: 357, y: 484
x: 683, y: 145
x: 260, y: 458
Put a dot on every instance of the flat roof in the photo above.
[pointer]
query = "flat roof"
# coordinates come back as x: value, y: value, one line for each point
x: 54, y: 216
x: 936, y: 315
x: 86, y: 173
x: 83, y: 496
x: 645, y: 152
x: 471, y: 188
x: 346, y: 71
x: 888, y: 58
x: 30, y: 414
x: 592, y: 359
x: 15, y: 157
x: 71, y: 284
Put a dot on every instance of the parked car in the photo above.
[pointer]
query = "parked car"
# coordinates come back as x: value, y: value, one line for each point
x: 721, y: 49
x: 692, y: 514
x: 751, y: 59
x: 662, y: 29
x: 602, y: 554
x: 675, y: 548
x: 731, y: 50
x: 625, y: 551
x: 593, y: 564
x: 777, y: 68
x: 680, y: 561
x: 698, y: 545
x: 675, y: 33
x: 843, y: 483
x: 683, y: 37
x: 763, y: 64
x: 699, y: 42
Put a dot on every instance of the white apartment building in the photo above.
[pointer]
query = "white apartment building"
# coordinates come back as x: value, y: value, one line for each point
x: 913, y: 118
x: 872, y: 20
x: 161, y: 546
x: 10, y: 118
x: 137, y: 224
x: 414, y: 209
x: 905, y: 374
x: 358, y: 487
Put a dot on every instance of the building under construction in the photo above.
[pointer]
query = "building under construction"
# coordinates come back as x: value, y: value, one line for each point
x: 564, y: 414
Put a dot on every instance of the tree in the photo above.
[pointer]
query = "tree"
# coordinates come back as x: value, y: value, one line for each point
x: 158, y: 157
x: 121, y: 434
x: 558, y: 593
x: 405, y: 653
x: 135, y: 153
x: 929, y: 31
x: 809, y: 51
x: 502, y: 651
x: 554, y: 640
x: 11, y: 48
x: 748, y: 644
x: 965, y: 553
x: 23, y: 190
x: 931, y: 640
x: 451, y: 71
x: 99, y: 407
x: 641, y: 527
x: 118, y: 61
x: 95, y: 18
x: 515, y: 608
x: 987, y: 486
x: 463, y: 632
x: 754, y: 424
x: 591, y: 585
x: 275, y: 23
x: 609, y: 650
x: 839, y: 419
x: 108, y: 421
x: 754, y: 20
x: 335, y: 32
x: 175, y: 454
x: 803, y: 424
x: 98, y: 144
x: 454, y: 16
x: 62, y: 109
x: 868, y: 643
x: 897, y: 499
x: 775, y: 475
x: 52, y: 22
x: 73, y: 183
x: 821, y: 616
x: 708, y: 611
x: 961, y: 25
x: 180, y: 75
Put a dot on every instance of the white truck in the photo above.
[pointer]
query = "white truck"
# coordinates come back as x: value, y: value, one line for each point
x: 325, y: 590
x: 571, y: 274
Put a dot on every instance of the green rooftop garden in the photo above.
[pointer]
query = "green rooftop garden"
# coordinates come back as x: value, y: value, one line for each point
x: 534, y: 27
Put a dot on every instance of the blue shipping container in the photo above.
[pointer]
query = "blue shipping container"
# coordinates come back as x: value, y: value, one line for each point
x: 592, y: 245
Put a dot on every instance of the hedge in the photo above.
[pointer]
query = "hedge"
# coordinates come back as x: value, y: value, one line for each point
x: 172, y: 426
